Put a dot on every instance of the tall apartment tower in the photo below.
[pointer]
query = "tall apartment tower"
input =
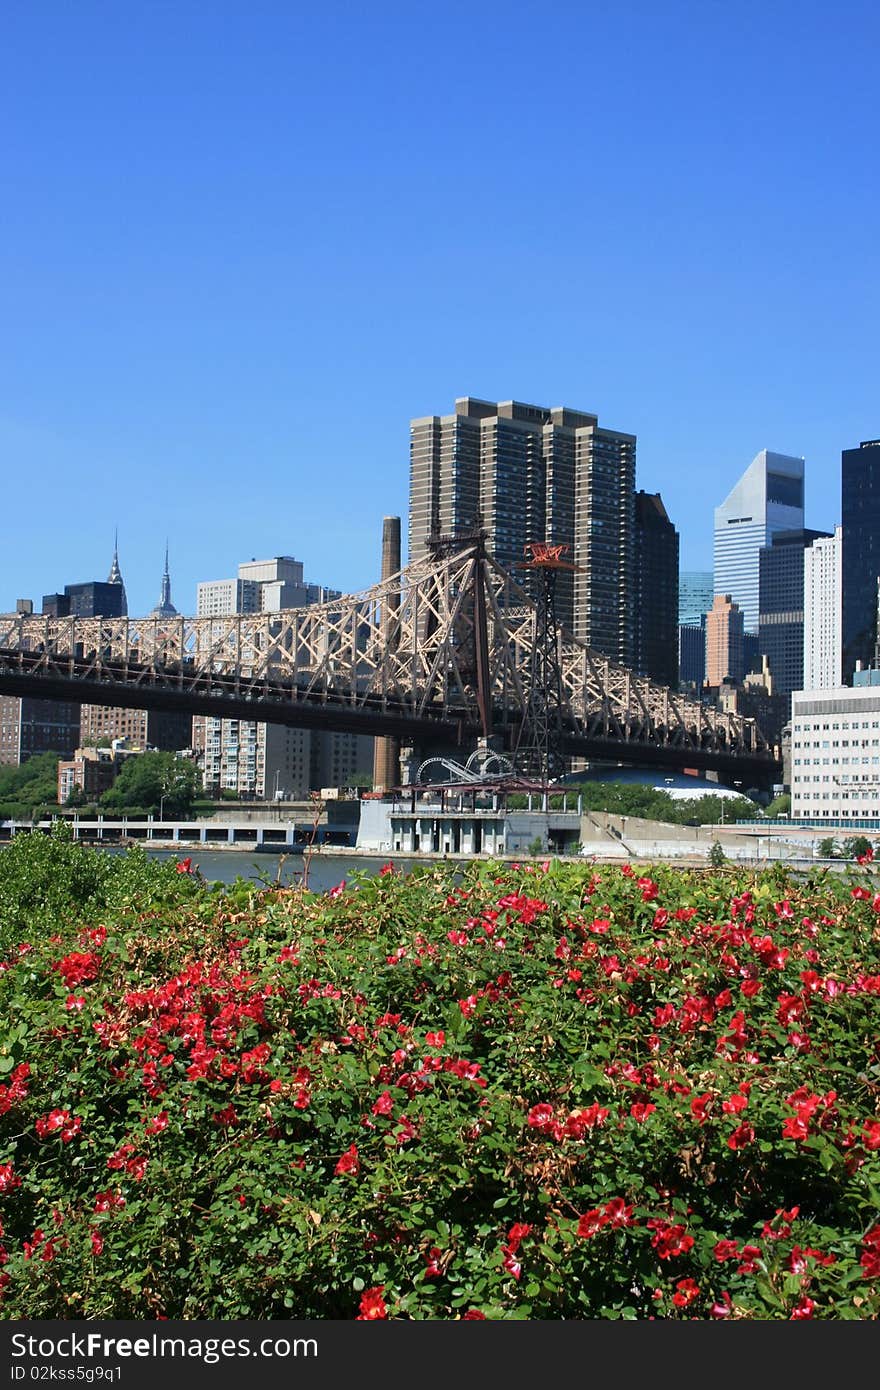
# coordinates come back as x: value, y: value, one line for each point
x: 860, y: 518
x: 29, y: 727
x: 656, y: 608
x: 823, y: 612
x: 781, y: 566
x: 769, y: 497
x: 527, y: 473
x: 724, y: 641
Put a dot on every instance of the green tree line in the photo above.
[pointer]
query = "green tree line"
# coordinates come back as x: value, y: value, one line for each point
x: 147, y: 782
x: 629, y: 799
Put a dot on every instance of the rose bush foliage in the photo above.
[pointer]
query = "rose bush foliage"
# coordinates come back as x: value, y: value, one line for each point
x: 529, y: 1091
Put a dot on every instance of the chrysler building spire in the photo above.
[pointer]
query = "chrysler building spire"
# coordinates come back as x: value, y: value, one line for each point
x: 115, y: 575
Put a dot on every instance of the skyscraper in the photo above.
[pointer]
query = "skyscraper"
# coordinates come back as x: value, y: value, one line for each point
x: 692, y: 655
x: 823, y: 612
x: 781, y: 566
x: 769, y: 497
x: 656, y: 607
x: 165, y: 608
x: 724, y: 641
x: 115, y: 577
x: 696, y: 590
x: 860, y: 519
x: 93, y: 600
x: 526, y: 473
x: 695, y: 593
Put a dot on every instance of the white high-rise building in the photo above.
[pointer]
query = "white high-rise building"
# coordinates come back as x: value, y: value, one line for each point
x: 768, y: 498
x: 271, y: 761
x: 835, y: 756
x: 823, y: 612
x: 217, y: 598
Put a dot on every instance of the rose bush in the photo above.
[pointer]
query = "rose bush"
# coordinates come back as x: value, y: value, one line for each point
x: 526, y: 1091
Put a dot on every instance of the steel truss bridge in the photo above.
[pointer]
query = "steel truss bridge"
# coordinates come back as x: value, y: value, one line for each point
x: 437, y: 656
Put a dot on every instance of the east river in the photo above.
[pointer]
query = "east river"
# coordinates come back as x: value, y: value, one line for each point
x: 325, y: 869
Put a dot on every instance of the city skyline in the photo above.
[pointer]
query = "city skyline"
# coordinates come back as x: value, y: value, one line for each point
x: 231, y: 276
x: 140, y: 584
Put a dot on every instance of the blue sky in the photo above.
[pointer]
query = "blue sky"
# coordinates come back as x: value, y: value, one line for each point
x: 243, y: 245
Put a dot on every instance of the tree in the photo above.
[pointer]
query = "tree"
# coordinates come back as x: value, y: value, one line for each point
x: 779, y: 806
x: 363, y: 780
x: 154, y: 782
x: 714, y: 810
x: 855, y: 846
x: 30, y: 784
x: 828, y: 848
x: 717, y: 857
x: 636, y: 799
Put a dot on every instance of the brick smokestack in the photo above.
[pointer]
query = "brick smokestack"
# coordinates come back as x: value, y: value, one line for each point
x: 386, y: 751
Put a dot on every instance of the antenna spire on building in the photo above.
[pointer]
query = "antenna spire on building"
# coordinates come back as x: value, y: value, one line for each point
x: 165, y: 608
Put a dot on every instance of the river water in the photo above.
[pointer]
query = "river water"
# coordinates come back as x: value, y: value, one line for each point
x: 325, y: 869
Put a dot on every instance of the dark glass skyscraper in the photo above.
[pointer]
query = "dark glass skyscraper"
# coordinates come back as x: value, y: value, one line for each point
x: 781, y: 607
x: 695, y: 594
x: 95, y: 600
x: 656, y: 609
x: 692, y: 654
x: 860, y: 519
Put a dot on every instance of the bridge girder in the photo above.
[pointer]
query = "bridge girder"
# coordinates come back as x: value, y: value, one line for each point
x: 441, y: 648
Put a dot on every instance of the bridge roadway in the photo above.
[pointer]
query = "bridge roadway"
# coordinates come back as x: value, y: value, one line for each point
x: 441, y: 655
x: 133, y: 686
x: 433, y: 725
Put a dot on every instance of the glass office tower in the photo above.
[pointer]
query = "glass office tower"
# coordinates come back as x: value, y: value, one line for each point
x: 768, y: 498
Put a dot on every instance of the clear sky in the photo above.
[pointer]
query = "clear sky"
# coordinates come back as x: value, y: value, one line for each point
x: 242, y: 245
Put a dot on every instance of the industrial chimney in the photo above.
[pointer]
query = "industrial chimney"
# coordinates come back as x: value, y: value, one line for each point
x: 386, y: 751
